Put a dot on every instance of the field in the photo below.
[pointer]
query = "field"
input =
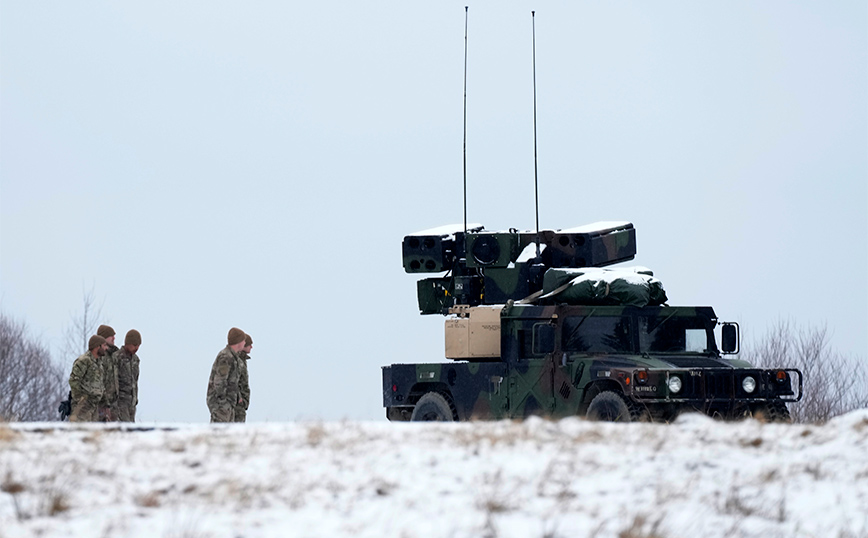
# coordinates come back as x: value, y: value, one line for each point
x: 537, y: 478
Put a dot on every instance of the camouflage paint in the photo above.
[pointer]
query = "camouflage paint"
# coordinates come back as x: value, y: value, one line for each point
x: 546, y: 370
x: 487, y: 271
x: 557, y: 383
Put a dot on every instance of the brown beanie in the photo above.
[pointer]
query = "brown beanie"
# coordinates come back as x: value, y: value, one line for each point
x: 133, y: 338
x: 248, y: 341
x: 105, y: 331
x: 235, y: 335
x: 94, y: 342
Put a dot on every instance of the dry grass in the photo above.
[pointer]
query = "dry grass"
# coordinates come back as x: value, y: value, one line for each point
x: 509, y: 434
x: 736, y: 504
x: 494, y: 500
x: 149, y: 500
x: 383, y: 488
x: 7, y: 434
x: 316, y: 433
x: 642, y: 527
x: 10, y: 485
x: 755, y: 442
x: 94, y: 437
x: 50, y: 499
x: 55, y: 502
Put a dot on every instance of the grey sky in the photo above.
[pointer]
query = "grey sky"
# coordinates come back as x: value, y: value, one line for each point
x: 214, y: 164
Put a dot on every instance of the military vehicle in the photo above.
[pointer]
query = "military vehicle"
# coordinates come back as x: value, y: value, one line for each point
x: 537, y: 323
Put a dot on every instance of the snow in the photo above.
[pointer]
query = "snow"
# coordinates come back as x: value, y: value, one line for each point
x: 601, y: 227
x: 696, y: 477
x: 528, y: 254
x: 447, y: 229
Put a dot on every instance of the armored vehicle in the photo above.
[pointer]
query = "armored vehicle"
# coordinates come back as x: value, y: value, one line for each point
x: 538, y: 324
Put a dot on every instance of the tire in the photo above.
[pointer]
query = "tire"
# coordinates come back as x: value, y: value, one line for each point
x: 432, y: 407
x: 609, y: 406
x: 774, y: 411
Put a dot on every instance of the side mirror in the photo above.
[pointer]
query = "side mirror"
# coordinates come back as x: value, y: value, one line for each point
x: 543, y: 338
x: 729, y: 337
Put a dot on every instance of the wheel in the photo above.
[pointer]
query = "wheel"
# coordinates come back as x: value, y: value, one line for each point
x: 432, y: 407
x: 609, y: 406
x: 774, y: 411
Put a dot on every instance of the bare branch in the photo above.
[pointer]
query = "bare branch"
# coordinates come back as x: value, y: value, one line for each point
x: 31, y: 385
x: 834, y: 383
x: 83, y: 325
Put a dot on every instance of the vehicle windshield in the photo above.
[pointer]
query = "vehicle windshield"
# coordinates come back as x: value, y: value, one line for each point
x: 675, y: 334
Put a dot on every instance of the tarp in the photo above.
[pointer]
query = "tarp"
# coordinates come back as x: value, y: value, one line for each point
x: 634, y: 286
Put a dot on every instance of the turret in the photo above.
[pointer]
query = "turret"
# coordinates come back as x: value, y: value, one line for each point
x: 483, y: 267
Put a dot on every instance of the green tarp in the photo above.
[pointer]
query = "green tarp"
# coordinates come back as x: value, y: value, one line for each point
x: 595, y: 286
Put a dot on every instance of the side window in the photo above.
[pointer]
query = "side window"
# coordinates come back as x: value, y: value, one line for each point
x: 543, y: 338
x: 597, y: 334
x: 536, y: 340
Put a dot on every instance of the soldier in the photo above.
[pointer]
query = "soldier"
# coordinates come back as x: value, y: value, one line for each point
x: 108, y: 408
x: 127, y: 363
x: 86, y: 383
x: 223, y: 383
x: 243, y: 382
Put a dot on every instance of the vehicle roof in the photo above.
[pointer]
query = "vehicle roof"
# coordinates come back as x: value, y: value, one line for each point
x: 544, y: 312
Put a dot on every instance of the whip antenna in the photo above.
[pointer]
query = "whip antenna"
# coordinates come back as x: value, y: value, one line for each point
x: 465, y: 118
x: 535, y: 181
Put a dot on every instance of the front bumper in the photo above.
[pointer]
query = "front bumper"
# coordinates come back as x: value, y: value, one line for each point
x: 716, y: 385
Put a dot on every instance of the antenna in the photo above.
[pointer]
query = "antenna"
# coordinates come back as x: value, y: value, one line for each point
x: 535, y: 176
x: 465, y: 118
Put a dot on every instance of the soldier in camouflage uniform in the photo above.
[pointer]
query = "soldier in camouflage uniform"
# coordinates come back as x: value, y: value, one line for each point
x: 243, y: 382
x: 223, y: 393
x: 108, y: 408
x: 86, y: 383
x: 127, y: 363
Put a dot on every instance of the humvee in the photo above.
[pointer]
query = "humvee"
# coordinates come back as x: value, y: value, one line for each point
x: 580, y: 341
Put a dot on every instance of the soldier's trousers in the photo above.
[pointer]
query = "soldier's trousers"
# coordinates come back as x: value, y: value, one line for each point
x: 222, y: 413
x: 107, y: 413
x: 126, y: 411
x: 84, y: 411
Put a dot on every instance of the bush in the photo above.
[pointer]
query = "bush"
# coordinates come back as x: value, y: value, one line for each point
x: 834, y: 384
x: 31, y: 385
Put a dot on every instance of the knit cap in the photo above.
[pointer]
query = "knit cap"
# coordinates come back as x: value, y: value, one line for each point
x: 105, y: 331
x: 133, y: 338
x: 94, y: 342
x: 235, y: 335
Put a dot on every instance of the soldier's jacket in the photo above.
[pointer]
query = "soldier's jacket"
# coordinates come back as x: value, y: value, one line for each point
x: 86, y: 380
x: 243, y: 380
x: 128, y: 383
x: 110, y: 378
x: 223, y: 383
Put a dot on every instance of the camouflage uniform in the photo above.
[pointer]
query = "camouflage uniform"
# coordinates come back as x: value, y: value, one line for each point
x: 108, y: 407
x: 223, y: 386
x: 128, y: 384
x: 243, y: 388
x: 87, y: 387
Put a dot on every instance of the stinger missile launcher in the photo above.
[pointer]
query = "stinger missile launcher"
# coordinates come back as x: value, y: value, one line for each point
x: 485, y: 268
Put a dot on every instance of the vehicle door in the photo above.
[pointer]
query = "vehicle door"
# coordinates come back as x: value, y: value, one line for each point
x: 585, y: 341
x: 530, y: 375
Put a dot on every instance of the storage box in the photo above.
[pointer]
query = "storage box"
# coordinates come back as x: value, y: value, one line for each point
x: 473, y: 332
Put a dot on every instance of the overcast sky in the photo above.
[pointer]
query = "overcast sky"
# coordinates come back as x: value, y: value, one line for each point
x: 204, y: 165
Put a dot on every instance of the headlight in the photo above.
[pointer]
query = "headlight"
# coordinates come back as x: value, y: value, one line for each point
x: 748, y: 384
x: 674, y: 384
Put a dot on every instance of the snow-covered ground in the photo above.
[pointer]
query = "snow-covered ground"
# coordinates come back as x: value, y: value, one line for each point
x: 694, y: 478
